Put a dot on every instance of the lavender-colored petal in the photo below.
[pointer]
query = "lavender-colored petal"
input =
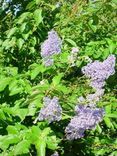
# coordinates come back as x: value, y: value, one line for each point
x: 48, y: 62
x: 55, y: 154
x: 52, y: 45
x: 96, y: 96
x: 75, y: 50
x: 51, y: 110
x: 75, y: 129
x: 86, y: 118
x: 99, y: 72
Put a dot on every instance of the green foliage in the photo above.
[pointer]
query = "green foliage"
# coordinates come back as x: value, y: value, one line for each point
x: 24, y: 80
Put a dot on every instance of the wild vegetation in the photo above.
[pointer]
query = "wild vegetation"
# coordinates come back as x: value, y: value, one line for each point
x: 58, y: 78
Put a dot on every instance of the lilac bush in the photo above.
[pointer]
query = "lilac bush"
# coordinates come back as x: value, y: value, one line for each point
x: 88, y: 116
x: 44, y: 98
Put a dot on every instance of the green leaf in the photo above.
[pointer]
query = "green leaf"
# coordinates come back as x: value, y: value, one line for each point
x: 99, y: 129
x: 3, y: 83
x: 11, y: 32
x: 27, y: 86
x: 56, y: 80
x: 14, y: 88
x: 15, y: 91
x: 7, y: 140
x: 64, y: 57
x: 113, y: 153
x: 112, y: 45
x: 12, y: 129
x: 71, y: 42
x: 32, y: 50
x: 62, y: 88
x: 33, y: 41
x: 20, y: 42
x: 97, y: 54
x: 36, y: 133
x: 25, y: 36
x: 37, y: 69
x: 35, y: 72
x: 31, y: 110
x: 92, y: 27
x: 41, y: 143
x: 6, y: 43
x: 45, y: 132
x: 78, y: 63
x: 38, y: 16
x: 37, y: 101
x: 101, y: 152
x: 12, y: 71
x: 22, y: 113
x: 30, y: 5
x: 108, y: 109
x: 22, y: 147
x: 23, y: 17
x: 112, y: 115
x: 40, y: 139
x: 105, y: 53
x: 38, y: 1
x: 52, y: 142
x: 89, y: 51
x: 23, y: 26
x: 2, y: 115
x: 108, y: 122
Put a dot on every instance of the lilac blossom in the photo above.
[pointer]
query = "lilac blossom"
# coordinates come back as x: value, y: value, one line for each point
x: 88, y: 59
x: 75, y: 50
x: 81, y: 99
x: 71, y: 60
x: 96, y: 96
x: 73, y: 56
x: 48, y: 61
x: 75, y: 129
x: 98, y: 72
x: 55, y: 154
x: 51, y: 110
x: 52, y: 45
x: 86, y: 118
x: 92, y: 99
x: 58, y: 4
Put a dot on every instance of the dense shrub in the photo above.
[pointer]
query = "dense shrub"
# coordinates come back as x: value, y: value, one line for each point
x: 58, y: 78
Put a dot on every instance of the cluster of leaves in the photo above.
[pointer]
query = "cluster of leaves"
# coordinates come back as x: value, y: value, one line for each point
x: 89, y: 25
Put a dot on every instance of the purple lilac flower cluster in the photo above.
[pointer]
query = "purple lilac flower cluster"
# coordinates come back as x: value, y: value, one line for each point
x: 51, y: 110
x: 95, y: 97
x: 98, y: 72
x: 73, y: 56
x: 86, y: 118
x: 58, y: 4
x: 52, y: 45
x: 91, y: 99
x: 55, y: 154
x: 74, y: 50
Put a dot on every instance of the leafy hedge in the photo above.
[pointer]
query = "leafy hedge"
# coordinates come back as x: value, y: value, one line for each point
x: 89, y: 26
